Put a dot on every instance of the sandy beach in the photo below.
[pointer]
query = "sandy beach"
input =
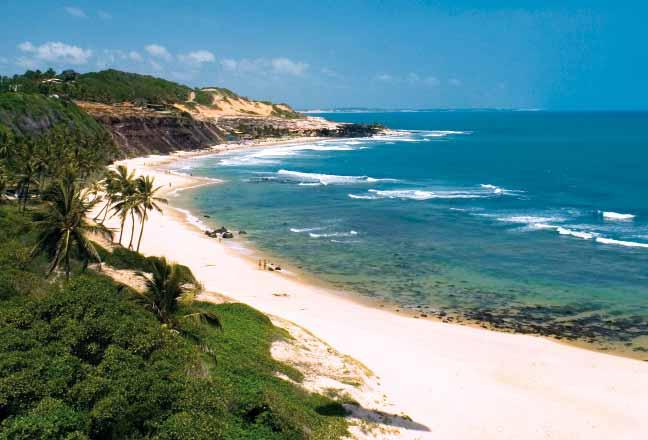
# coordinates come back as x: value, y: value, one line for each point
x: 452, y: 381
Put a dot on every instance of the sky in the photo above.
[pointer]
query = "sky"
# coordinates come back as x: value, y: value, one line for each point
x: 549, y: 54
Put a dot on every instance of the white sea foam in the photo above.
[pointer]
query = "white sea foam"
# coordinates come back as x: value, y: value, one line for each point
x: 192, y: 219
x: 333, y: 234
x: 578, y: 234
x: 443, y: 133
x: 604, y: 240
x: 615, y: 216
x: 498, y: 190
x: 298, y: 230
x: 362, y: 197
x: 424, y: 194
x: 328, y: 179
x: 270, y: 156
x: 534, y: 222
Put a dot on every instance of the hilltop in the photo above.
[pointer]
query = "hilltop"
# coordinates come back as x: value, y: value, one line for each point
x: 114, y: 87
x: 144, y: 114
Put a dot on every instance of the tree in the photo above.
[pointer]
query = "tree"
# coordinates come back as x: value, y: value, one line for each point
x: 109, y: 186
x: 167, y: 286
x: 148, y: 201
x: 124, y: 196
x: 64, y: 229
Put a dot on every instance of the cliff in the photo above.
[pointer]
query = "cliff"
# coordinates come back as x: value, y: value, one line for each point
x: 144, y: 115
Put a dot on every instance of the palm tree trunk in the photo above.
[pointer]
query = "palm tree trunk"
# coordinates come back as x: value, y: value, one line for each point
x: 130, y: 244
x: 67, y: 266
x: 121, y: 231
x: 139, y: 240
x: 102, y: 210
x: 106, y: 213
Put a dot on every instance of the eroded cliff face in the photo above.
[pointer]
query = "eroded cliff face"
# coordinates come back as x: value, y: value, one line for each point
x: 139, y: 131
x: 140, y: 135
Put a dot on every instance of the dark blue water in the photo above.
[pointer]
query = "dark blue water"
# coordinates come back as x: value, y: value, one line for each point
x: 530, y: 221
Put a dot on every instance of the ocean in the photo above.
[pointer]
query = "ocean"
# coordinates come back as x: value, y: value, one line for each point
x: 534, y: 222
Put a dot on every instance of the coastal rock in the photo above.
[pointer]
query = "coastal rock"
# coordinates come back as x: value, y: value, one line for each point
x: 227, y: 235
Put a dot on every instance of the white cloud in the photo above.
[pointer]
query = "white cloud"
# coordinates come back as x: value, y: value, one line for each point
x: 134, y: 56
x: 75, y: 12
x: 104, y: 15
x: 454, y: 82
x: 56, y: 52
x: 384, y: 77
x: 158, y: 51
x: 198, y: 57
x: 277, y: 66
x: 288, y: 66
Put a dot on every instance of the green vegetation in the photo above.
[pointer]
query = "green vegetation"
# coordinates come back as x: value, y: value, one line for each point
x: 204, y: 98
x: 33, y: 114
x: 84, y: 357
x: 283, y: 113
x: 108, y: 86
x: 64, y: 228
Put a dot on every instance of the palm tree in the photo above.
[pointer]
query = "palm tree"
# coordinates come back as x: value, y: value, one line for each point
x: 26, y: 177
x: 110, y: 189
x: 148, y: 201
x: 65, y: 227
x: 7, y: 145
x: 125, y: 185
x: 168, y: 286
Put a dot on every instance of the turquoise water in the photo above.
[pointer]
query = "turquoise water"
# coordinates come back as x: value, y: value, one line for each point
x: 530, y: 221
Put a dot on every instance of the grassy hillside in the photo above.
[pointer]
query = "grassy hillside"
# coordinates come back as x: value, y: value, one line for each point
x: 84, y: 360
x: 110, y: 86
x: 33, y: 114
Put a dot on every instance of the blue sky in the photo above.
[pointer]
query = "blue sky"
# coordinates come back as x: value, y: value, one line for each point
x: 320, y: 54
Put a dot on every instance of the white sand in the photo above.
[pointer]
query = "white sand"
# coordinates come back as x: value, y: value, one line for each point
x: 453, y: 381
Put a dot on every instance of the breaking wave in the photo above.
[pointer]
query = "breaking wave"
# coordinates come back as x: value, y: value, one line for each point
x: 333, y: 234
x: 328, y: 179
x: 615, y: 216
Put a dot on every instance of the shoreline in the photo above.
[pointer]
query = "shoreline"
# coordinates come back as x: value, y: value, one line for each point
x: 462, y: 380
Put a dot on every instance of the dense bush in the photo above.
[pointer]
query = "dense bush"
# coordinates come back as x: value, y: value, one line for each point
x: 203, y: 98
x: 111, y: 86
x: 33, y: 114
x: 84, y: 360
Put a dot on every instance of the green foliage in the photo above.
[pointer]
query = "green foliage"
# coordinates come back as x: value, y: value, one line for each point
x: 203, y: 98
x: 83, y: 360
x: 122, y: 258
x: 33, y: 114
x: 64, y: 229
x: 283, y: 113
x: 110, y: 86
